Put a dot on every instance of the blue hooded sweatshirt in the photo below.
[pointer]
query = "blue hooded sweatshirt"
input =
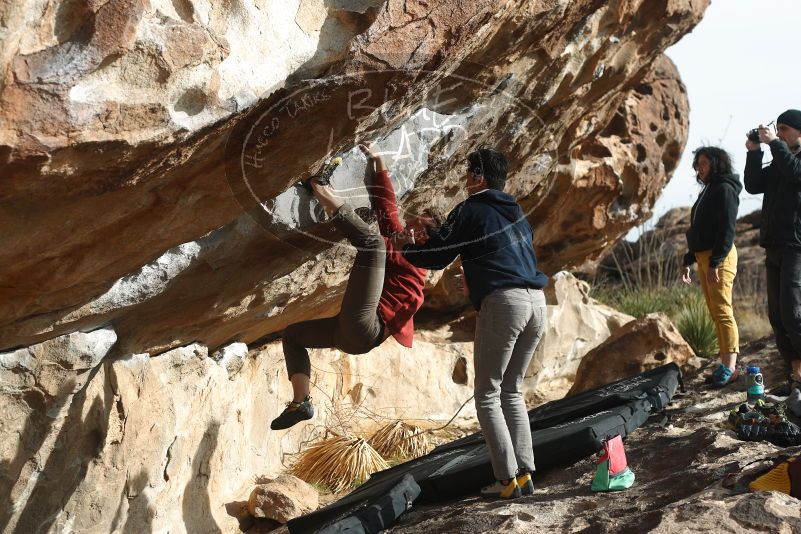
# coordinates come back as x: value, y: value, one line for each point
x: 491, y: 234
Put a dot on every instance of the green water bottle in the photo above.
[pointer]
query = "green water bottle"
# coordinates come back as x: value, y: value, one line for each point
x: 755, y: 386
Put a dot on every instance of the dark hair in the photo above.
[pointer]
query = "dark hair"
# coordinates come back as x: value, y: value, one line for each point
x: 490, y: 164
x: 719, y: 160
x: 436, y: 215
x: 436, y: 221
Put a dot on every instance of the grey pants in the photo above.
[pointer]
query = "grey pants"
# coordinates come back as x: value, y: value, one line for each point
x: 783, y: 268
x: 357, y: 329
x: 509, y: 327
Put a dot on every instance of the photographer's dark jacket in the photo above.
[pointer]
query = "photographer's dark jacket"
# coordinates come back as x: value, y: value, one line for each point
x: 781, y: 184
x: 713, y: 219
x: 491, y: 234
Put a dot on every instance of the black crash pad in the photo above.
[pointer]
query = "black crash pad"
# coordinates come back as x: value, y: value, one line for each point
x: 563, y: 432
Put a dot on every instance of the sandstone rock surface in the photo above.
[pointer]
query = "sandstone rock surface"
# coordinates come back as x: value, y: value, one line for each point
x: 636, y: 347
x: 147, y: 145
x: 282, y: 499
x: 155, y: 442
x: 577, y: 324
x: 231, y: 357
x: 168, y: 442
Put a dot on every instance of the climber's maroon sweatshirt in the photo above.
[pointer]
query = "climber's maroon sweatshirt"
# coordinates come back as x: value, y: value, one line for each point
x: 403, y: 282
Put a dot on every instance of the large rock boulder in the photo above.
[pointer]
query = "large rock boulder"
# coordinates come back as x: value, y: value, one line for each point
x: 150, y: 443
x: 183, y: 432
x: 146, y: 146
x: 576, y: 325
x: 636, y: 347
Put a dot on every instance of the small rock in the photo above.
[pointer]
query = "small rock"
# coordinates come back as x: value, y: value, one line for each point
x: 282, y: 499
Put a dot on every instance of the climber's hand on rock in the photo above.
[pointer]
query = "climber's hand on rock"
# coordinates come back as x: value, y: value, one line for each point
x: 368, y: 149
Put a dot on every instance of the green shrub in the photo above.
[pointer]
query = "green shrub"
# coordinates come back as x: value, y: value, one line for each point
x: 639, y: 301
x: 696, y: 326
x: 684, y: 305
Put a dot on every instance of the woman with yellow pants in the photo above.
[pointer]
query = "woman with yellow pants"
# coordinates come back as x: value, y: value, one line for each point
x: 710, y: 240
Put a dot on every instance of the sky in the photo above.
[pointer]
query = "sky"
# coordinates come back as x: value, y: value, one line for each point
x: 741, y: 66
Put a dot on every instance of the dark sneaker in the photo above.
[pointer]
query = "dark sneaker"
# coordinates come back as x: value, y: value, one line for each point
x: 324, y: 177
x: 499, y: 490
x: 785, y: 434
x: 774, y: 412
x: 294, y: 413
x: 755, y: 432
x: 525, y: 483
x: 745, y: 416
x: 781, y: 390
x: 785, y: 388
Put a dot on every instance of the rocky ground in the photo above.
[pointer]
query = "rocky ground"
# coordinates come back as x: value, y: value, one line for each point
x: 680, y: 470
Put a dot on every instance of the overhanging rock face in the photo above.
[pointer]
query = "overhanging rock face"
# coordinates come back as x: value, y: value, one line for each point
x: 137, y: 136
x: 406, y: 149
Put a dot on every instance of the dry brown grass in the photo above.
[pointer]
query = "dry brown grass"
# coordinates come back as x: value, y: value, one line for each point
x: 752, y: 324
x: 400, y: 439
x: 338, y: 463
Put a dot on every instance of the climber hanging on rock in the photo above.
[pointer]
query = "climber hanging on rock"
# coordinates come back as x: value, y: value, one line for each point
x: 384, y: 290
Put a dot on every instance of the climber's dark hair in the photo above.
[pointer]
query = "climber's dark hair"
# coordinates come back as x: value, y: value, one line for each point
x: 436, y: 215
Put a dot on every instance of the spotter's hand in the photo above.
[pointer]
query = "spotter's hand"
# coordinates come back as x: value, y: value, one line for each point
x: 401, y: 239
x: 766, y: 135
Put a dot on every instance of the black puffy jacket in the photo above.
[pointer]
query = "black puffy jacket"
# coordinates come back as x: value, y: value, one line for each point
x: 713, y: 219
x: 781, y: 205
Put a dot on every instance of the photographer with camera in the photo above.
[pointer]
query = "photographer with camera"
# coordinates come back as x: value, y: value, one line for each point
x: 780, y: 232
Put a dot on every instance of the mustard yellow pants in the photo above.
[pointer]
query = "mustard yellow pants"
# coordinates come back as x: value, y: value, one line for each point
x: 718, y: 298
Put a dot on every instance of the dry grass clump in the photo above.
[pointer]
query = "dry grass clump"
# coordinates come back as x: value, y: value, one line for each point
x: 339, y: 463
x: 752, y: 324
x: 400, y: 439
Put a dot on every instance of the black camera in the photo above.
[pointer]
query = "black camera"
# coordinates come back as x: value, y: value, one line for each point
x: 753, y: 135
